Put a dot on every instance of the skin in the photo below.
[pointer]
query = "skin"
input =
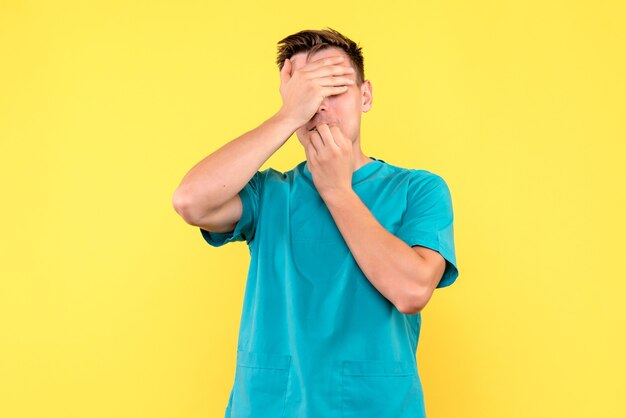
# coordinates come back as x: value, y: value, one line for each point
x: 339, y: 113
x: 320, y: 92
x: 405, y: 275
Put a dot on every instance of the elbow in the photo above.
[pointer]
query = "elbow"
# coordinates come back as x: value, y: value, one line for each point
x: 414, y: 301
x: 411, y: 309
x: 420, y: 290
x: 183, y: 205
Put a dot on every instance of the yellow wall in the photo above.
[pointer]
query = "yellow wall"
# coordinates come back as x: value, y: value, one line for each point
x: 112, y: 306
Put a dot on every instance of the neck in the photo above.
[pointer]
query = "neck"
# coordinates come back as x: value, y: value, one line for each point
x: 360, y: 159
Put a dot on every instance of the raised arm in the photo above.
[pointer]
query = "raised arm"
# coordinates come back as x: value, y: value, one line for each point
x: 208, y: 195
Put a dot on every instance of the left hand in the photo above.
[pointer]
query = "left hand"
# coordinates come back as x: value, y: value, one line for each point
x: 330, y: 160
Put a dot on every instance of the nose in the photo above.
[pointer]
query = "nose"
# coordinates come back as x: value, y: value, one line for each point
x: 323, y: 105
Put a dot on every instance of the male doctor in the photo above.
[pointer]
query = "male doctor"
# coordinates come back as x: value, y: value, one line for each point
x: 346, y: 249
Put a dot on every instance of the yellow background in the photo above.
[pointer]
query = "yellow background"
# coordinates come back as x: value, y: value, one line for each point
x: 112, y: 306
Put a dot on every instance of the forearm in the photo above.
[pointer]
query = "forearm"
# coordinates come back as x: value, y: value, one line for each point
x: 389, y: 263
x: 221, y: 175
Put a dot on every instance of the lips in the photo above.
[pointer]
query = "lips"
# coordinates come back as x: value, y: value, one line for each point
x: 327, y: 122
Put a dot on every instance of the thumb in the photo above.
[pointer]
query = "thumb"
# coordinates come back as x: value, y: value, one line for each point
x: 285, y: 72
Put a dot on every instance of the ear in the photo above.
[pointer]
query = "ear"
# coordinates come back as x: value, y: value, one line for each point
x: 366, y: 96
x: 285, y: 72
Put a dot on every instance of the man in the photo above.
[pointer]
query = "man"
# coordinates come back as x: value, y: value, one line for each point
x: 346, y: 249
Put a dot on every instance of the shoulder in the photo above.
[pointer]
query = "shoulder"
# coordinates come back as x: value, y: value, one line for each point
x: 427, y: 179
x: 416, y: 177
x: 272, y: 175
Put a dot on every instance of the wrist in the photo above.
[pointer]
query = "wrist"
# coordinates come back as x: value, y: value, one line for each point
x: 284, y: 118
x: 336, y: 196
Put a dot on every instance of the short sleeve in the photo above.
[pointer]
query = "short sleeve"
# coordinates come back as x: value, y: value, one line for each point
x: 244, y: 229
x: 428, y: 220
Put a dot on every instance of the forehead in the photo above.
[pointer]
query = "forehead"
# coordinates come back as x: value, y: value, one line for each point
x: 300, y: 59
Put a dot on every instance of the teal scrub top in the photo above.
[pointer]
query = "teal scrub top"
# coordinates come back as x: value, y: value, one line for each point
x: 316, y: 338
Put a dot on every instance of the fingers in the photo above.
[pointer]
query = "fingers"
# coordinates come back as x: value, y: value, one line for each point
x: 311, y: 152
x: 327, y: 136
x: 334, y: 60
x: 336, y: 81
x: 329, y: 67
x: 337, y: 135
x: 325, y: 68
x: 317, y: 141
x: 335, y: 76
x: 332, y: 91
x: 303, y: 89
x: 332, y: 71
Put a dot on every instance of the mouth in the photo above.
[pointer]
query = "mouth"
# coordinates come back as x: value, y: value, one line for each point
x: 329, y: 123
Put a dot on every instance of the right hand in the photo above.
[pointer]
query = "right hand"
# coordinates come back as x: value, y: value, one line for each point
x: 304, y: 89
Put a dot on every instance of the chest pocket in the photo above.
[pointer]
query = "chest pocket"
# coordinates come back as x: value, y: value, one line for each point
x: 260, y: 387
x: 381, y: 389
